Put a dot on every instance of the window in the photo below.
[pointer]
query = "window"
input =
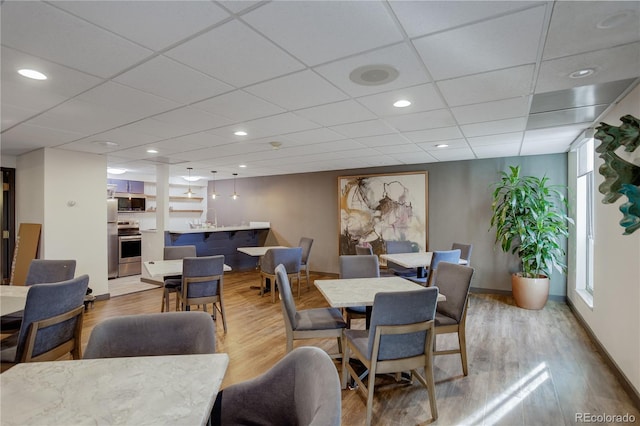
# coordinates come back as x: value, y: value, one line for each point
x: 584, y: 221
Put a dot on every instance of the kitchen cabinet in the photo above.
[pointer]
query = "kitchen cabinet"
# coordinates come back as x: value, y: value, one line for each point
x: 127, y: 186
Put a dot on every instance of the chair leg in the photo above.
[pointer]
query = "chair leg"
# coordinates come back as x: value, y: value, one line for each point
x: 299, y: 284
x: 164, y: 297
x: 307, y: 272
x: 224, y: 318
x: 372, y: 380
x: 345, y: 362
x: 462, y: 341
x: 274, y: 286
x: 431, y: 387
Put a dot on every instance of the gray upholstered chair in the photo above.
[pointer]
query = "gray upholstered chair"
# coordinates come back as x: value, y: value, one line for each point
x: 309, y: 323
x: 364, y: 250
x: 170, y: 333
x: 303, y: 388
x: 454, y: 281
x: 449, y: 256
x: 363, y: 266
x: 289, y: 257
x: 174, y: 253
x: 400, y: 247
x: 52, y: 323
x: 400, y: 339
x: 41, y: 271
x: 305, y: 243
x: 465, y: 251
x: 201, y: 284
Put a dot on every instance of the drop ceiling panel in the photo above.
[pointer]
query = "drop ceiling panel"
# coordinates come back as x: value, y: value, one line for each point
x: 235, y: 54
x: 451, y: 144
x: 239, y: 106
x: 483, y: 47
x: 423, y: 97
x: 491, y: 111
x: 489, y: 86
x: 562, y: 136
x: 576, y: 28
x: 124, y: 137
x: 453, y: 154
x: 348, y: 111
x: 566, y: 116
x: 23, y: 137
x: 165, y: 22
x: 383, y: 140
x: 334, y: 29
x: 611, y: 64
x: 42, y: 30
x: 422, y: 120
x: 495, y: 127
x: 299, y: 90
x: 419, y: 18
x: 12, y: 115
x: 434, y: 135
x: 165, y: 77
x: 400, y: 56
x: 415, y: 158
x: 399, y: 149
x: 236, y: 6
x: 501, y: 139
x: 312, y: 136
x: 190, y: 120
x: 592, y: 94
x: 364, y: 128
x: 495, y: 151
x: 267, y: 126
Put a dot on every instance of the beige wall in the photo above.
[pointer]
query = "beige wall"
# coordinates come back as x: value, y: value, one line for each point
x: 615, y: 316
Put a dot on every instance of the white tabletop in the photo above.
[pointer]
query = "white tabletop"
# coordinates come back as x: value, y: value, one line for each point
x: 413, y: 260
x: 342, y: 293
x: 161, y: 390
x: 12, y: 298
x: 161, y: 268
x: 257, y: 251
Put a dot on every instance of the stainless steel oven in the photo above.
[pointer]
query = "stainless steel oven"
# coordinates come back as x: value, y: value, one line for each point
x: 129, y: 249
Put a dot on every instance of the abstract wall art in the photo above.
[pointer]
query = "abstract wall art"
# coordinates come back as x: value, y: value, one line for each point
x: 377, y: 208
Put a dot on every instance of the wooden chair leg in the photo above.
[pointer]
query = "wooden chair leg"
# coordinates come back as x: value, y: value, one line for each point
x: 462, y: 341
x: 224, y: 318
x: 370, y: 386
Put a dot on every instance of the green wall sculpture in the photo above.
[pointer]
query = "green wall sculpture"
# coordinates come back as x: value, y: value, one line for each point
x: 622, y: 178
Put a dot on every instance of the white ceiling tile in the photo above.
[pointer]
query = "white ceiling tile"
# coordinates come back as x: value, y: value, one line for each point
x: 383, y: 140
x: 503, y: 42
x: 501, y: 139
x: 236, y: 55
x: 494, y: 151
x: 334, y: 29
x: 451, y: 144
x: 555, y: 139
x: 489, y: 86
x: 124, y: 137
x: 491, y: 111
x: 312, y: 136
x: 422, y: 120
x: 400, y: 56
x: 268, y: 126
x: 12, y: 115
x: 236, y: 6
x: 495, y: 127
x: 165, y: 77
x: 423, y: 97
x: 434, y: 135
x: 190, y: 120
x: 577, y: 27
x: 337, y: 113
x: 415, y: 158
x: 165, y: 22
x: 32, y: 137
x: 299, y: 90
x: 453, y: 154
x: 364, y: 128
x: 42, y: 30
x: 239, y: 106
x: 399, y: 149
x: 425, y: 17
x: 616, y: 63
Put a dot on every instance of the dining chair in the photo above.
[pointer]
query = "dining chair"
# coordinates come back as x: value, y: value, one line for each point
x: 314, y: 323
x: 289, y: 257
x: 450, y: 256
x: 363, y: 266
x: 303, y: 388
x: 41, y: 271
x: 170, y: 333
x: 400, y: 339
x: 305, y: 243
x: 172, y: 282
x: 454, y: 281
x: 52, y: 323
x: 465, y: 251
x: 400, y: 247
x: 201, y: 284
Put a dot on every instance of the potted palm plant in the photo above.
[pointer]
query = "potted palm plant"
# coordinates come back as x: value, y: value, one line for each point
x: 530, y: 220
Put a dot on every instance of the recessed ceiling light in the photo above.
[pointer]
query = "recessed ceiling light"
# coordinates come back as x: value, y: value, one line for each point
x: 36, y: 75
x: 373, y: 75
x: 616, y: 20
x: 244, y: 166
x: 275, y: 144
x: 152, y: 151
x: 442, y: 145
x: 586, y: 72
x: 401, y: 103
x: 240, y: 133
x: 114, y: 171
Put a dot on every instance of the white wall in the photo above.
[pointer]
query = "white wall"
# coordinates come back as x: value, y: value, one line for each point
x: 65, y: 192
x: 615, y: 316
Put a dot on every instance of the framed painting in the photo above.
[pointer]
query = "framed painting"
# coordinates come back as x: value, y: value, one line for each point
x: 378, y: 208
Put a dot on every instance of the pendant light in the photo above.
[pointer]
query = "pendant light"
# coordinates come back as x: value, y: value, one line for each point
x: 189, y: 193
x: 235, y: 194
x: 213, y: 194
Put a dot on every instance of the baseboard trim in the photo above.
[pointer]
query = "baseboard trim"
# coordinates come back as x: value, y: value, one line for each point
x: 633, y: 393
x: 479, y: 290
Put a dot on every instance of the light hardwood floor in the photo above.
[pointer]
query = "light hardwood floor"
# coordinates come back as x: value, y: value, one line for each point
x: 525, y: 367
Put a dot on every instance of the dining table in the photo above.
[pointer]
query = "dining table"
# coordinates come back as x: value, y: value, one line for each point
x: 161, y: 268
x: 259, y: 252
x: 153, y: 390
x: 12, y: 298
x: 419, y: 260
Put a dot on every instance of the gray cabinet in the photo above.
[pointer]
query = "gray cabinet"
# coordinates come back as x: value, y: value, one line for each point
x: 127, y: 186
